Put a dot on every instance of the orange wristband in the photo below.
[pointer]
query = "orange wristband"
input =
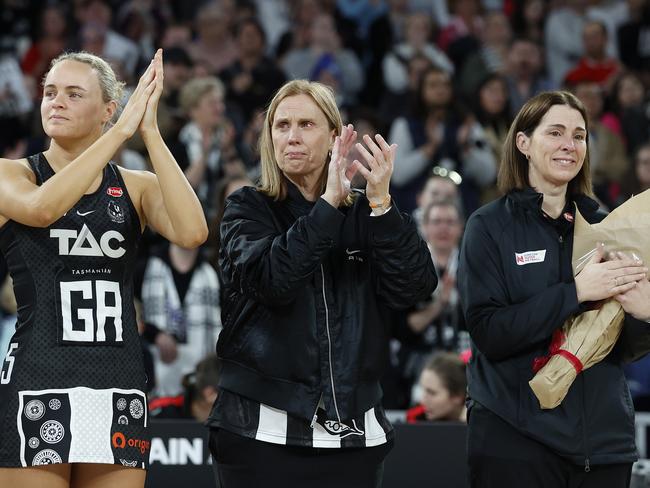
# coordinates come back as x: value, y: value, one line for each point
x: 385, y: 203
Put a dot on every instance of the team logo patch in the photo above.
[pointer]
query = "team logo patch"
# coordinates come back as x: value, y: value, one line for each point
x: 46, y: 456
x: 34, y: 410
x: 115, y: 212
x: 568, y: 216
x: 52, y: 432
x: 529, y: 257
x: 114, y: 191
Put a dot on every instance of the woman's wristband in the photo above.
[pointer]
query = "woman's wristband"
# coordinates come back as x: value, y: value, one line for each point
x: 385, y: 203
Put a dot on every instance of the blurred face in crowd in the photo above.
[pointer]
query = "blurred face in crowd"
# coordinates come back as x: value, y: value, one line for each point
x: 176, y: 75
x: 591, y: 95
x: 209, y: 110
x: 438, y: 402
x: 437, y: 190
x: 418, y: 29
x: 442, y: 227
x: 524, y: 59
x: 72, y: 105
x: 53, y: 22
x: 556, y: 150
x: 630, y: 91
x: 301, y: 137
x: 642, y: 167
x: 533, y: 11
x: 493, y: 96
x: 97, y: 11
x: 323, y: 32
x: 436, y: 89
x: 497, y: 29
x: 176, y: 35
x: 250, y: 40
x: 594, y: 37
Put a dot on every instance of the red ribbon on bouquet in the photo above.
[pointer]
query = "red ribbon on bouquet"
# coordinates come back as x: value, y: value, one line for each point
x: 555, y: 349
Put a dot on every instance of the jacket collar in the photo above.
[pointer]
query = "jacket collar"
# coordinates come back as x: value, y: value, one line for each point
x: 530, y: 199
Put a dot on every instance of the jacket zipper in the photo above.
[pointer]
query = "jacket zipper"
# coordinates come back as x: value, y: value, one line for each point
x: 329, y: 344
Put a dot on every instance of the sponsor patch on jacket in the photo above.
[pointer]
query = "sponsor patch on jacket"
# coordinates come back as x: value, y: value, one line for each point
x: 114, y: 191
x: 529, y: 257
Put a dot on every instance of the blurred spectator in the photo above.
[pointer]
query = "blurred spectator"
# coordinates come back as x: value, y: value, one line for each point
x: 443, y: 385
x: 436, y: 134
x: 214, y: 45
x: 51, y: 39
x: 417, y: 41
x: 607, y: 158
x: 438, y: 323
x: 638, y: 178
x: 200, y: 390
x: 176, y: 35
x: 437, y: 189
x: 595, y: 65
x: 325, y: 60
x: 7, y: 308
x: 97, y: 37
x: 252, y: 80
x: 528, y: 19
x: 633, y: 110
x: 633, y: 39
x: 460, y: 36
x: 524, y: 73
x: 399, y: 104
x: 208, y: 138
x: 492, y: 55
x: 563, y: 38
x: 226, y: 186
x: 298, y: 36
x: 180, y: 300
x: 492, y: 109
x: 178, y: 71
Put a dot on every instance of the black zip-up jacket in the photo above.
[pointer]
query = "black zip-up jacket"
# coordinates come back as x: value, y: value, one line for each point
x: 308, y: 291
x: 512, y: 311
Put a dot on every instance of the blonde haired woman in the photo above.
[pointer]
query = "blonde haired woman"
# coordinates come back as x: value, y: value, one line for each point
x: 311, y: 271
x: 72, y: 401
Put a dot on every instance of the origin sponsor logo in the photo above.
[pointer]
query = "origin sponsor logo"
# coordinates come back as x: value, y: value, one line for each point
x: 120, y: 441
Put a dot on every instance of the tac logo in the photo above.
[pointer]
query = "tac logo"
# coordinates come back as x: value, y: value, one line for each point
x: 85, y: 243
x: 120, y: 441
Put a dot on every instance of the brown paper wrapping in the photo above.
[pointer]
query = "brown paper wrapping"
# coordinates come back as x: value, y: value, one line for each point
x: 591, y: 335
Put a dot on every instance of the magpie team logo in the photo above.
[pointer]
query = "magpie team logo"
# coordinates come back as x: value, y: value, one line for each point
x: 115, y: 212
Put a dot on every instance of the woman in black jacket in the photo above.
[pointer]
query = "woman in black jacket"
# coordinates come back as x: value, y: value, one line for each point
x: 311, y: 272
x: 517, y: 288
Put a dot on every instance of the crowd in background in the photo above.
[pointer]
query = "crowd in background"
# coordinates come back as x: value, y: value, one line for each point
x: 441, y: 79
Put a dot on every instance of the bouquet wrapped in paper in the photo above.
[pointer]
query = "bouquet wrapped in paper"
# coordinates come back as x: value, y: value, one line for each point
x: 587, y: 338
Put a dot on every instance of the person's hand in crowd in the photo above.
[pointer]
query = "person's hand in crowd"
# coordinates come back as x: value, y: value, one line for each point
x: 380, y: 158
x: 149, y: 122
x: 604, y: 279
x: 339, y: 172
x: 448, y: 283
x: 166, y: 345
x: 135, y: 108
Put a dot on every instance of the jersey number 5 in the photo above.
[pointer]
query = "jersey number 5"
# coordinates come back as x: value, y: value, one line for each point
x: 5, y: 377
